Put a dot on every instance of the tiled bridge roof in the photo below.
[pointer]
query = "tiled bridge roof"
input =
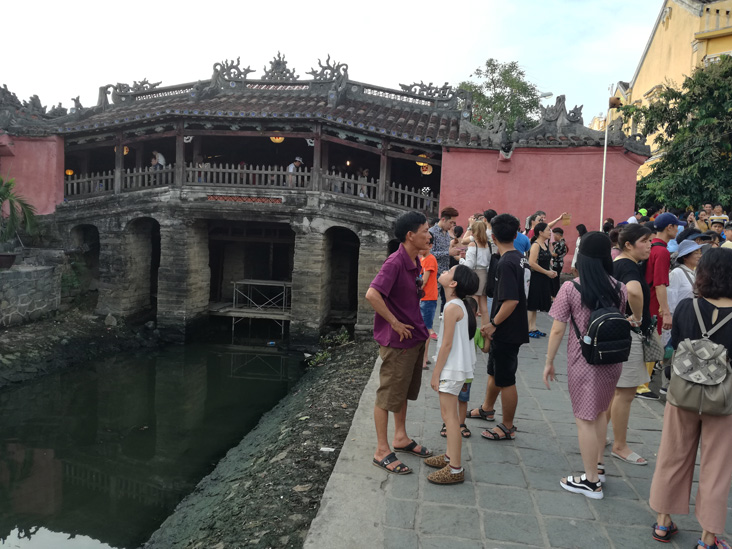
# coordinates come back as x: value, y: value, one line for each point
x: 419, y: 114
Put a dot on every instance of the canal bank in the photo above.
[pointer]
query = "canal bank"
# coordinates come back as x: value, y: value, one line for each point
x: 267, y: 489
x: 65, y: 339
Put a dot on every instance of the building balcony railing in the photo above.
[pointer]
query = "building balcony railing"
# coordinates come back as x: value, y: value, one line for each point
x: 242, y: 176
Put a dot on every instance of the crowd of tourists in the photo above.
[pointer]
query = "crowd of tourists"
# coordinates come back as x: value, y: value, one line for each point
x: 650, y: 295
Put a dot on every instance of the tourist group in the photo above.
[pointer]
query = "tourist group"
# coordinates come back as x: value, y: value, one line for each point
x: 652, y: 294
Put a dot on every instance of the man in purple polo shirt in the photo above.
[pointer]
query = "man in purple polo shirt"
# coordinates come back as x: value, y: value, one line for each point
x: 400, y: 331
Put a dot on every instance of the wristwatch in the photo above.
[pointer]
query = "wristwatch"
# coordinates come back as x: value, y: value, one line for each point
x: 494, y: 324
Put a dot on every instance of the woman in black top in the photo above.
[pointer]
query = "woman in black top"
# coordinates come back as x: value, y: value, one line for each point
x: 635, y: 245
x: 683, y: 430
x: 540, y: 286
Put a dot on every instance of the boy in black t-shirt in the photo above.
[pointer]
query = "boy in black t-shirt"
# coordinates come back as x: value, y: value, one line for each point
x: 508, y: 330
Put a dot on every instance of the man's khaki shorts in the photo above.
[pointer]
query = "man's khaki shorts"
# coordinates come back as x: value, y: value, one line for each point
x: 400, y: 377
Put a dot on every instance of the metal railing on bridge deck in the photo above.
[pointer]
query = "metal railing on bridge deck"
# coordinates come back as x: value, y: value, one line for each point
x: 231, y: 176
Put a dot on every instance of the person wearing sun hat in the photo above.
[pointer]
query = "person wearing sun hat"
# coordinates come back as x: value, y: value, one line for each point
x: 636, y: 217
x: 681, y: 279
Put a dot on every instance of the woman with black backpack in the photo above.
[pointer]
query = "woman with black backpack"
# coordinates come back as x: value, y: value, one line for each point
x: 698, y: 417
x: 591, y: 386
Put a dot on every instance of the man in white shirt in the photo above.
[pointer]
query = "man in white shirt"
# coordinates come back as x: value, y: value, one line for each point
x: 160, y: 160
x: 291, y: 169
x: 635, y: 218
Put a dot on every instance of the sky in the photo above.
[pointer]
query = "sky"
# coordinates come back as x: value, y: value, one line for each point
x: 576, y: 48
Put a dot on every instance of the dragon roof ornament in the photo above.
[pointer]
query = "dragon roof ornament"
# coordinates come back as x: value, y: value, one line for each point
x: 428, y: 90
x: 231, y: 71
x: 329, y: 71
x: 278, y: 70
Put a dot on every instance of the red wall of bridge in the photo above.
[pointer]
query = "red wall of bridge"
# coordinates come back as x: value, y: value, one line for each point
x: 37, y: 165
x: 553, y: 180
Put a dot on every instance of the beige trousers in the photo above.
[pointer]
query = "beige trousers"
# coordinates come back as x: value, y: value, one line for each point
x: 671, y: 487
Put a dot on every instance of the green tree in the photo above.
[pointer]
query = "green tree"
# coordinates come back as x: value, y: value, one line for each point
x: 694, y: 125
x: 19, y: 211
x: 501, y: 89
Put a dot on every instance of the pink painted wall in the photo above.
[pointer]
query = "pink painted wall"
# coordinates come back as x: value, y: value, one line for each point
x: 37, y: 165
x: 553, y: 180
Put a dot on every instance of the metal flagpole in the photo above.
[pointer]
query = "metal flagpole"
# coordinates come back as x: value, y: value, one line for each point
x: 604, y: 167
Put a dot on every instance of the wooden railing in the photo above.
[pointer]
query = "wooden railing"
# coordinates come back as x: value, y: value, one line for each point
x: 236, y: 174
x: 93, y: 184
x: 350, y: 185
x: 401, y: 195
x: 145, y: 178
x: 233, y: 176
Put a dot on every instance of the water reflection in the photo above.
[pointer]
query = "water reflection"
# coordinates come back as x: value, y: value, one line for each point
x: 106, y: 451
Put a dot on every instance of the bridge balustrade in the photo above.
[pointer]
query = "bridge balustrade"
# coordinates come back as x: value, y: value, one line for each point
x: 238, y: 176
x: 86, y: 185
x: 136, y: 179
x: 350, y: 185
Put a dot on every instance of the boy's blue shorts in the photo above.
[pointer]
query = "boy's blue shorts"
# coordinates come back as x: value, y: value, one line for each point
x: 464, y: 395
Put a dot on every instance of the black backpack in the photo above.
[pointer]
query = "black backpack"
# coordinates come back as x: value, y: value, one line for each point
x: 490, y: 282
x: 608, y: 336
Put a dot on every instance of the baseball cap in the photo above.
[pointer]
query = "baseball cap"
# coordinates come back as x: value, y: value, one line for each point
x: 643, y: 211
x: 299, y: 159
x: 666, y: 219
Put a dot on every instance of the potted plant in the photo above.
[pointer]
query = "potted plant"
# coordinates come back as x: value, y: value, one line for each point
x: 15, y: 212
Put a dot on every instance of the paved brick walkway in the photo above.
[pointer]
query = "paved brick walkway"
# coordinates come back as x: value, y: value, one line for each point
x: 511, y: 496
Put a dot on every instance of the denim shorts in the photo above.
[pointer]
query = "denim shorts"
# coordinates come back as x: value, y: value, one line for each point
x: 464, y: 395
x: 428, y: 308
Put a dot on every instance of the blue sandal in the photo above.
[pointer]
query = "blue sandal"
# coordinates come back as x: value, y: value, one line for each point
x: 718, y: 544
x: 668, y: 531
x: 534, y: 334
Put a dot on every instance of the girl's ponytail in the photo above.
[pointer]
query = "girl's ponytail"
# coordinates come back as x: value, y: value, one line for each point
x: 471, y: 306
x: 467, y: 284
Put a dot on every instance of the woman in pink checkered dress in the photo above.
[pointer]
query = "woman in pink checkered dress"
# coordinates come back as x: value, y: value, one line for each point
x: 591, y: 387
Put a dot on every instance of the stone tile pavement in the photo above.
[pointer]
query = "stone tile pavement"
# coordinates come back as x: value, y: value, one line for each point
x: 511, y: 495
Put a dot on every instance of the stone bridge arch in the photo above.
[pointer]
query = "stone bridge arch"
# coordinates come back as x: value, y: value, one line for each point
x: 129, y: 270
x: 341, y: 279
x: 85, y: 249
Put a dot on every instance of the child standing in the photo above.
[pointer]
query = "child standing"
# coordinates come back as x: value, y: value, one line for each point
x: 454, y: 366
x: 464, y: 396
x: 428, y: 304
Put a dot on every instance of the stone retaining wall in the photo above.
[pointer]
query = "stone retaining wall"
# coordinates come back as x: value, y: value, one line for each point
x: 27, y: 293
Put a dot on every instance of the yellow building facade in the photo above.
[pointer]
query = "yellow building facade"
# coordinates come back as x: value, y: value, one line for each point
x: 687, y: 34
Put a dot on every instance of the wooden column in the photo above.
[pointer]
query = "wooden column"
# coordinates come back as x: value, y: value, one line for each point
x: 84, y: 162
x: 180, y: 156
x: 140, y: 160
x: 317, y: 169
x: 384, y: 173
x: 119, y: 163
x: 197, y: 141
